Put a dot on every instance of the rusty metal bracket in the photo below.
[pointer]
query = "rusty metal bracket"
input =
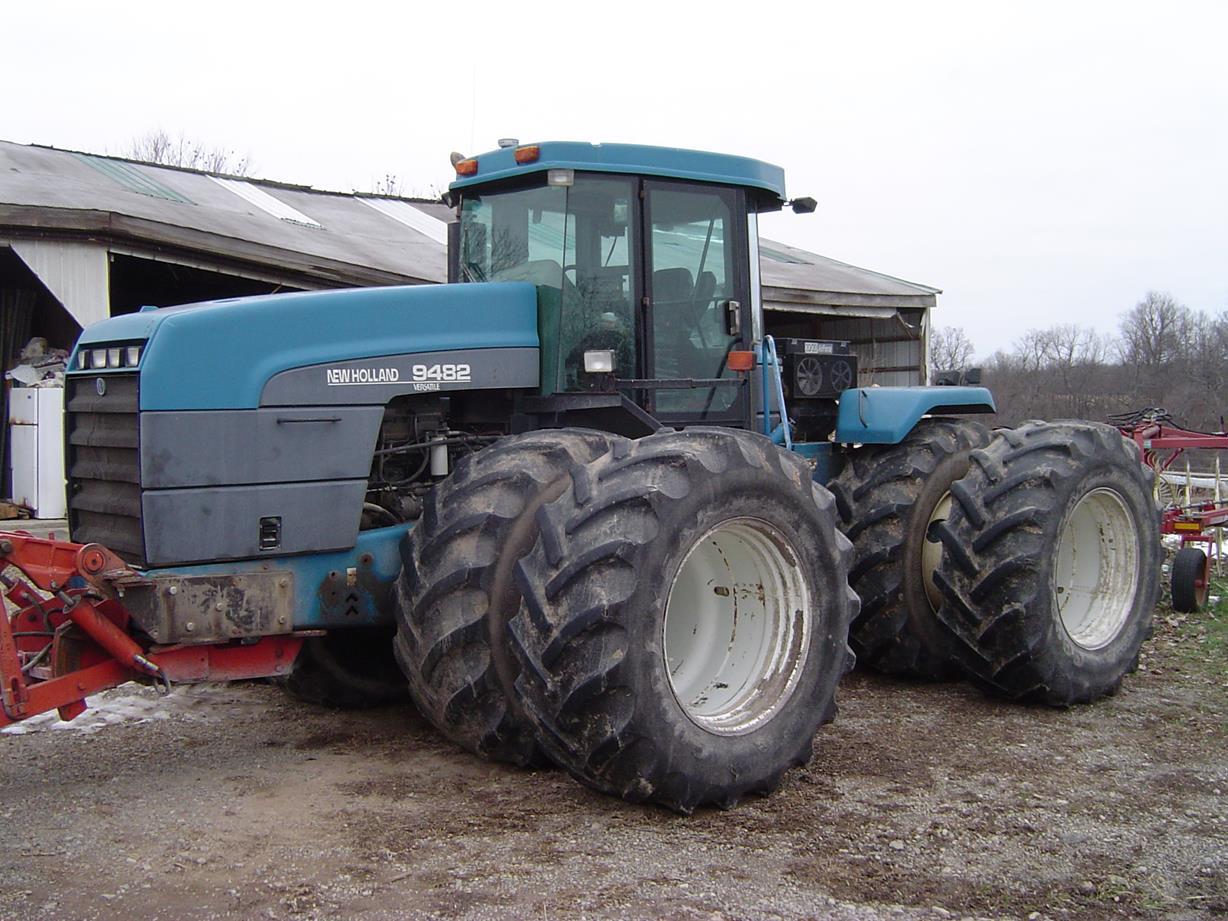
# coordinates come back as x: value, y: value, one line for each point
x: 209, y: 609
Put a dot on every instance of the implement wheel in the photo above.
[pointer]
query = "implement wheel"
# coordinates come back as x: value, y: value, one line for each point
x: 685, y: 619
x: 456, y: 589
x: 1051, y: 565
x: 1191, y: 580
x: 890, y: 498
x: 348, y: 669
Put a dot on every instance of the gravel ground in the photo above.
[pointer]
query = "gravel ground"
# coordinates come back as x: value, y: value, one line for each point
x: 921, y: 802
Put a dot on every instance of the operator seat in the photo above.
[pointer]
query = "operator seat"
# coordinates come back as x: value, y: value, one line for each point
x: 672, y: 323
x: 671, y: 288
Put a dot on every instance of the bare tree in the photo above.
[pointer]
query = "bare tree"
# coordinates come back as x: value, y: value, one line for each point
x: 950, y: 349
x: 159, y: 147
x: 1059, y: 372
x: 1155, y: 331
x: 1167, y: 355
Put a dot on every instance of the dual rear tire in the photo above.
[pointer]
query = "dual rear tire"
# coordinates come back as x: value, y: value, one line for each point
x: 890, y: 499
x: 1049, y: 574
x: 1026, y: 561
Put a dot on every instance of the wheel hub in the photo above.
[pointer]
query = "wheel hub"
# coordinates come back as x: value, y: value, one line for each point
x: 1096, y: 576
x: 737, y: 627
x: 931, y: 551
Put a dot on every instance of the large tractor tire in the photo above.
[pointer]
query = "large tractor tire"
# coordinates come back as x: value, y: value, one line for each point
x: 889, y: 499
x: 456, y: 590
x: 685, y: 619
x: 348, y: 669
x: 1190, y: 583
x: 1050, y: 570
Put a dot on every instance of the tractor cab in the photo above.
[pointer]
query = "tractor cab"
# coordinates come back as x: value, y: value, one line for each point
x: 645, y: 261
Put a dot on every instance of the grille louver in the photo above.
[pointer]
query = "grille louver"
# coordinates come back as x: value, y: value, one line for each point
x: 104, y: 463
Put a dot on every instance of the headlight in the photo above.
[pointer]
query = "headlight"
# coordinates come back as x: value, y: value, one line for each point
x: 599, y: 361
x: 114, y: 356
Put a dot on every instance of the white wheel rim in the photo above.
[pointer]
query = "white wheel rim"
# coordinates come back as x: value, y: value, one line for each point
x: 1096, y: 577
x: 931, y: 552
x: 737, y: 627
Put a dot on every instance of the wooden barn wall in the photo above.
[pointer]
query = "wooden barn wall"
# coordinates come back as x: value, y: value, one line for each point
x: 889, y: 353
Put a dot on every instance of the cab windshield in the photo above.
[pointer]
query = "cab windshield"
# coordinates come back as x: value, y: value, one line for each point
x: 573, y: 243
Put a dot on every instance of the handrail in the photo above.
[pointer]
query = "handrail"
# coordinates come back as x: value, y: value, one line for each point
x: 768, y: 350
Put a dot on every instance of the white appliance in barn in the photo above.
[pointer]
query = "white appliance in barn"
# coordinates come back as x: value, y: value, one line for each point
x: 36, y: 448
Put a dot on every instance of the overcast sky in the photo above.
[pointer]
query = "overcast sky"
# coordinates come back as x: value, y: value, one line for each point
x: 1042, y: 163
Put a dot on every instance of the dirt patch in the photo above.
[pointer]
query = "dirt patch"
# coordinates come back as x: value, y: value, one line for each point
x: 922, y: 801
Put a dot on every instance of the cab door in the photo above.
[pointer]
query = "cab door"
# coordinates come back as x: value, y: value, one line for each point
x: 697, y: 299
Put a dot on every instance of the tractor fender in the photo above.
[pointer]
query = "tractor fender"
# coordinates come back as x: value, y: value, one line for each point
x: 885, y: 415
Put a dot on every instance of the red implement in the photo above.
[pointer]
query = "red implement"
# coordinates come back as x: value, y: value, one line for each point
x: 72, y: 638
x: 1161, y: 443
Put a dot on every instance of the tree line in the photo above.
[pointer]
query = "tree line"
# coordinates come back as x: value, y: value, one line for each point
x: 1163, y: 354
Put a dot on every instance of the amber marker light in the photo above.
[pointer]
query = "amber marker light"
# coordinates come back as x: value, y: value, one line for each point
x: 466, y: 167
x: 741, y: 361
x: 528, y: 153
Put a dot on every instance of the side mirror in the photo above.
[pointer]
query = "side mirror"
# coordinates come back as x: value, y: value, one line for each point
x: 804, y: 205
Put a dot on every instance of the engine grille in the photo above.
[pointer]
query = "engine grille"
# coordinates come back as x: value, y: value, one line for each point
x: 104, y: 463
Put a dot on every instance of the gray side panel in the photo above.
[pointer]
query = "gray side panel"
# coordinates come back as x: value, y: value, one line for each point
x: 233, y: 447
x: 196, y: 525
x: 375, y: 381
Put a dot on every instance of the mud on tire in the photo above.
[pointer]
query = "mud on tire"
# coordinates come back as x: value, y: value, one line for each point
x: 1051, y: 563
x: 886, y: 497
x: 348, y: 669
x: 456, y: 589
x: 631, y: 669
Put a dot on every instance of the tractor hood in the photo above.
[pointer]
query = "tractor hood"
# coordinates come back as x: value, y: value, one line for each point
x: 224, y: 354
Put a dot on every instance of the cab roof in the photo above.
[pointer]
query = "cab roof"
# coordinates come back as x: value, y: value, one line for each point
x: 666, y: 162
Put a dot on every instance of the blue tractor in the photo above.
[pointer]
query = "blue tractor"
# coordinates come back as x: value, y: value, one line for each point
x: 576, y: 503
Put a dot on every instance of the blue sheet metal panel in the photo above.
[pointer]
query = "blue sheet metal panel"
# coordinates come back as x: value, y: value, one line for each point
x: 885, y: 415
x: 128, y: 327
x: 673, y: 162
x: 218, y: 355
x: 375, y: 561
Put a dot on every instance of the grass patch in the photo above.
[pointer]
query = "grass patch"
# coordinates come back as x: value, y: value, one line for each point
x: 1215, y: 623
x: 1197, y: 642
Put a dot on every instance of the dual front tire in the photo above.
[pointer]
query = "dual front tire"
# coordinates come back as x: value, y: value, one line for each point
x: 676, y: 622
